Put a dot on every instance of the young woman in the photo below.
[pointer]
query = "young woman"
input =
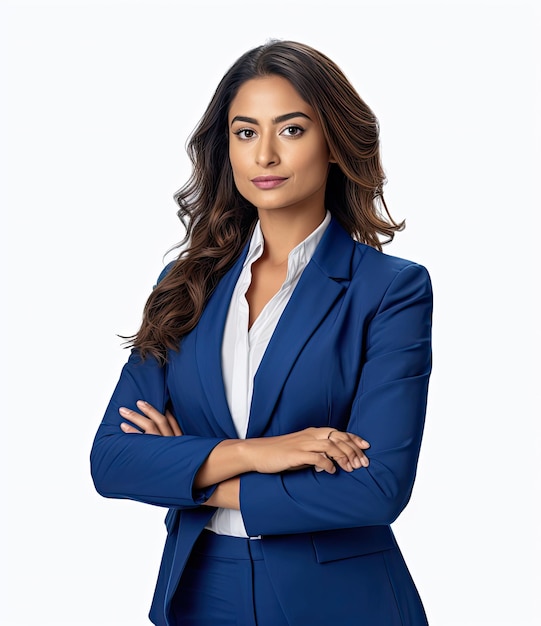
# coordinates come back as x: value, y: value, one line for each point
x: 275, y: 395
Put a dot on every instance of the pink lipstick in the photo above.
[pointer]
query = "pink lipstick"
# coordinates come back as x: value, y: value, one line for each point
x: 268, y: 182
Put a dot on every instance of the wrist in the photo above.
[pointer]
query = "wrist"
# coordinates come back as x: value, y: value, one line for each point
x: 226, y: 495
x: 245, y: 451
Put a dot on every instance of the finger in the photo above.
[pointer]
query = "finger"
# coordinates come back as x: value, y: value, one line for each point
x: 359, y: 458
x: 126, y: 428
x: 146, y: 425
x: 322, y: 462
x: 341, y: 459
x: 346, y: 454
x: 162, y: 423
x: 356, y: 455
x: 354, y: 447
x: 345, y: 436
x: 317, y: 467
x: 173, y: 423
x: 362, y: 443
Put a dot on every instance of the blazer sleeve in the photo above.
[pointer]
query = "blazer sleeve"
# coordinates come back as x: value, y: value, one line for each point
x: 150, y: 468
x: 388, y: 411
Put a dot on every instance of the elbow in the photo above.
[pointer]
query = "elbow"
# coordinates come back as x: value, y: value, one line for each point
x: 100, y: 471
x: 391, y: 496
x: 383, y: 510
x: 389, y: 510
x: 98, y: 478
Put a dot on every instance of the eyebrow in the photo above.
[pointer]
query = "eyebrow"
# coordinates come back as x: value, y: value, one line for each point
x: 276, y: 120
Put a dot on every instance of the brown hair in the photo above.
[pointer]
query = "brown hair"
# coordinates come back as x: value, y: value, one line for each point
x: 219, y: 221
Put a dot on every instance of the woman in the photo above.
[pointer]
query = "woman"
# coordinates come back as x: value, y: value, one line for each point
x: 280, y: 373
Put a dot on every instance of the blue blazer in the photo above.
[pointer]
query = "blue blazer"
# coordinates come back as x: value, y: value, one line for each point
x: 352, y: 350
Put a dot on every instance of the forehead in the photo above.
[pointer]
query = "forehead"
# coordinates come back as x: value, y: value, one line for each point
x: 268, y: 96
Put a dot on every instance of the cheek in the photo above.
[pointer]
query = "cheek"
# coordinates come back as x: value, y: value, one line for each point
x: 237, y: 174
x: 236, y: 161
x: 239, y: 177
x: 315, y: 158
x: 317, y: 166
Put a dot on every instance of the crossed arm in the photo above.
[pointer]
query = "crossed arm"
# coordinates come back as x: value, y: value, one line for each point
x: 324, y: 448
x: 274, y: 474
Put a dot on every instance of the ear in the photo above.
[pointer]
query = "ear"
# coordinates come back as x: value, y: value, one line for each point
x: 331, y: 158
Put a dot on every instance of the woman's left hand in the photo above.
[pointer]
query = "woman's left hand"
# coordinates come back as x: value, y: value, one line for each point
x: 152, y: 422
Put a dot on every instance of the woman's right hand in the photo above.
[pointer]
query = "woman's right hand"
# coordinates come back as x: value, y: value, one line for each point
x: 324, y: 448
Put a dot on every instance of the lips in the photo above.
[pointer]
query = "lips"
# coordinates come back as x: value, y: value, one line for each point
x: 268, y: 182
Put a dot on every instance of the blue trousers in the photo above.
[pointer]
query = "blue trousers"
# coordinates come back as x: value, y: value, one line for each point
x: 225, y: 583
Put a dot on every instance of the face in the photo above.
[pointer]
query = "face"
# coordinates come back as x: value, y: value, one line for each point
x: 277, y: 150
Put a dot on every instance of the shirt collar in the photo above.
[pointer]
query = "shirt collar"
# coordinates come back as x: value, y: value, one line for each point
x: 298, y: 258
x: 256, y: 245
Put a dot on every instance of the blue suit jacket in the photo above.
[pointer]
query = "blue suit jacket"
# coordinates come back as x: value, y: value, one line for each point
x: 351, y: 351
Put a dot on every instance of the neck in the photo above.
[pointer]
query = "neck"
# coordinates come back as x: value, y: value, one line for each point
x: 283, y: 231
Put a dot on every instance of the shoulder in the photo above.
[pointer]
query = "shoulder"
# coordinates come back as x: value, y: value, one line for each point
x: 383, y: 275
x: 164, y: 273
x: 341, y: 256
x: 384, y: 266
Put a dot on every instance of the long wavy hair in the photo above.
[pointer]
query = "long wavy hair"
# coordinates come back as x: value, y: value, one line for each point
x: 219, y: 221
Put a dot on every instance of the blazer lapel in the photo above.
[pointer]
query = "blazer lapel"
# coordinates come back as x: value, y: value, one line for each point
x: 323, y: 281
x: 208, y: 349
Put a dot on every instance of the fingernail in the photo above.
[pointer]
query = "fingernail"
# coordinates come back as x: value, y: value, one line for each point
x: 141, y: 403
x: 366, y: 462
x: 357, y: 462
x: 123, y: 410
x: 349, y: 467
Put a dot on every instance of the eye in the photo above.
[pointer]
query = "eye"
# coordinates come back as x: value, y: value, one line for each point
x: 293, y: 131
x: 245, y: 133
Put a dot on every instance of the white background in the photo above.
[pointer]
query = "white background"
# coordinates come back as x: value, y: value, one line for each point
x: 97, y: 101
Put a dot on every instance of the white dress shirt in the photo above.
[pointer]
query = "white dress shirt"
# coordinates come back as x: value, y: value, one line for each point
x: 243, y: 348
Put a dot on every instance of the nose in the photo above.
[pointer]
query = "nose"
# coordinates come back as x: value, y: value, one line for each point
x: 267, y: 153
